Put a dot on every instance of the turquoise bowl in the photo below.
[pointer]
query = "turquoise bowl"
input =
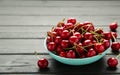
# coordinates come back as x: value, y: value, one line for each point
x: 76, y: 61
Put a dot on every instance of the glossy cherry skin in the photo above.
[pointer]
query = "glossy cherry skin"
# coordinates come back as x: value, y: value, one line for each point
x: 112, y: 62
x: 87, y: 43
x: 91, y: 52
x: 51, y: 46
x: 62, y: 54
x: 42, y: 63
x: 80, y: 48
x: 58, y: 39
x: 64, y: 43
x: 88, y: 35
x: 79, y: 36
x: 70, y: 54
x: 68, y: 26
x: 107, y: 35
x: 59, y: 49
x: 65, y: 34
x: 71, y: 20
x: 115, y: 46
x: 52, y: 33
x: 113, y: 26
x: 99, y: 47
x: 73, y: 39
x: 59, y: 30
x: 106, y: 43
x: 49, y: 39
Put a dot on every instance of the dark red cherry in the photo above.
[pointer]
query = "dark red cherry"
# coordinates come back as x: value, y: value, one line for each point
x: 51, y: 46
x: 65, y: 34
x: 71, y: 20
x: 115, y: 46
x: 65, y: 43
x: 79, y: 36
x: 68, y: 26
x: 106, y: 43
x: 91, y: 52
x: 42, y: 63
x: 62, y: 54
x: 107, y: 35
x: 99, y: 47
x: 112, y: 62
x: 73, y: 39
x: 88, y: 35
x: 113, y: 26
x: 58, y: 39
x: 70, y: 54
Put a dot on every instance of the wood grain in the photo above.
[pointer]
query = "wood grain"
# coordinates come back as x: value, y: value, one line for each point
x: 25, y: 64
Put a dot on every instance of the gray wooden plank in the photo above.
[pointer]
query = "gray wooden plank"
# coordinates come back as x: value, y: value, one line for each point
x: 26, y: 64
x: 32, y: 32
x: 42, y: 3
x: 53, y: 20
x: 89, y: 11
x: 22, y: 45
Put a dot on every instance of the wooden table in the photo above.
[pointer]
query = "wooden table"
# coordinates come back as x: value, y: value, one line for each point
x: 23, y: 27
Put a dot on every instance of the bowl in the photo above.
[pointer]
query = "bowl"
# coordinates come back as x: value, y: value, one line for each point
x: 76, y: 61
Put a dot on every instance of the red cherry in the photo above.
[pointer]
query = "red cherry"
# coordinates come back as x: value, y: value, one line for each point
x: 58, y: 39
x: 112, y: 62
x: 87, y: 22
x: 80, y: 48
x: 62, y: 54
x: 88, y: 35
x: 87, y: 43
x: 49, y: 39
x: 52, y: 33
x: 91, y: 52
x: 51, y: 46
x: 70, y: 54
x: 65, y: 34
x: 107, y: 35
x: 115, y: 46
x: 114, y: 35
x: 60, y: 24
x: 65, y: 43
x: 59, y: 30
x: 71, y: 20
x: 82, y: 55
x: 99, y: 47
x: 42, y: 63
x: 79, y: 36
x: 73, y: 39
x: 106, y: 43
x: 68, y: 26
x: 113, y: 26
x: 59, y: 49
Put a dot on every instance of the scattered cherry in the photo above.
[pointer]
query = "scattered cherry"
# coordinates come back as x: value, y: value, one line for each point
x: 113, y: 26
x: 42, y: 63
x: 115, y: 46
x: 112, y: 62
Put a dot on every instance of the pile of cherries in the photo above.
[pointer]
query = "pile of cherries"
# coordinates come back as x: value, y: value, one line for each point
x: 81, y: 40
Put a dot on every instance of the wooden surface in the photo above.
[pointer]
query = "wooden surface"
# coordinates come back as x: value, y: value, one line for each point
x: 23, y: 27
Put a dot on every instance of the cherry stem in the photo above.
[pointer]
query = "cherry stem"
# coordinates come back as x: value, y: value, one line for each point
x: 113, y: 37
x: 36, y: 54
x: 118, y: 55
x: 69, y: 48
x: 63, y: 19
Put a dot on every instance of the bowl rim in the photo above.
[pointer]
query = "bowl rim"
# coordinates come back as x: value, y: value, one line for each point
x: 75, y: 58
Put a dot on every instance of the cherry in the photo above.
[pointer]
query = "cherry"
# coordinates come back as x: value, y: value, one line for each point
x: 71, y: 20
x: 59, y: 30
x: 113, y: 26
x: 106, y: 43
x: 51, y: 46
x: 59, y: 49
x: 87, y: 43
x: 65, y: 43
x: 87, y: 22
x: 82, y: 55
x: 52, y: 33
x: 114, y: 36
x: 70, y: 54
x: 88, y: 35
x: 112, y: 62
x: 99, y: 31
x: 62, y: 54
x: 79, y: 36
x: 80, y: 48
x: 42, y: 63
x: 107, y: 35
x: 68, y: 26
x: 73, y: 39
x: 58, y: 39
x: 115, y: 46
x: 99, y: 47
x: 65, y: 34
x: 91, y: 52
x: 49, y: 39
